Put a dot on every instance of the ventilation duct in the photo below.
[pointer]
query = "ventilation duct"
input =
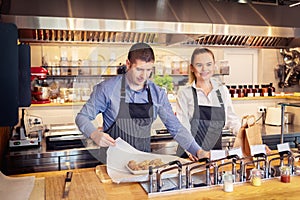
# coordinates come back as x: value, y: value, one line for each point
x: 162, y: 22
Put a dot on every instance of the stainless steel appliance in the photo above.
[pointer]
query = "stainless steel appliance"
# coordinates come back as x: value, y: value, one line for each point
x: 64, y: 136
x: 26, y: 137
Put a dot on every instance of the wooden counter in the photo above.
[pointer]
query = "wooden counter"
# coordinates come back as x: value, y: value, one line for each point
x: 86, y: 185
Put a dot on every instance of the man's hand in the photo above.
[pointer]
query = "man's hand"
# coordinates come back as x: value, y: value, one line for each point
x: 191, y: 156
x: 102, y: 139
x: 203, y: 154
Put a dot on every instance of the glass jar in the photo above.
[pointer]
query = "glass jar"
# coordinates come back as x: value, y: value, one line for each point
x: 285, y: 172
x: 175, y: 65
x: 256, y: 176
x: 64, y: 94
x: 228, y: 180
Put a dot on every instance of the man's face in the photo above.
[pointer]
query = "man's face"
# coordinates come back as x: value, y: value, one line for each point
x: 138, y: 73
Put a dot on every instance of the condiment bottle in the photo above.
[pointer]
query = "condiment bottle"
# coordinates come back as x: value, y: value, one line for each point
x: 264, y: 90
x: 228, y: 180
x: 245, y: 91
x: 250, y: 91
x: 257, y: 91
x: 240, y: 91
x: 271, y: 90
x: 285, y: 174
x: 233, y: 91
x: 256, y: 176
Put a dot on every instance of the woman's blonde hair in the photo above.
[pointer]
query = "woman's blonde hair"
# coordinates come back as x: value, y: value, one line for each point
x: 198, y: 51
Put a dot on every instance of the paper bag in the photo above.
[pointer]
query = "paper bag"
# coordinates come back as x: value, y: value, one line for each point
x: 248, y: 135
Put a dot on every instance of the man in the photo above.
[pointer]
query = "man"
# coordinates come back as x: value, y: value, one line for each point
x: 129, y: 103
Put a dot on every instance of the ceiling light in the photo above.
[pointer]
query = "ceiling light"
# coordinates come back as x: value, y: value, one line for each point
x: 294, y: 4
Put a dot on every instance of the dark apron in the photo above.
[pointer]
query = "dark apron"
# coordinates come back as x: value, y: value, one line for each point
x: 206, y: 125
x: 133, y: 122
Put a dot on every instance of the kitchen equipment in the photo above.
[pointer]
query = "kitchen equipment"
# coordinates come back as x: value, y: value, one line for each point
x: 288, y: 117
x: 289, y: 73
x: 22, y: 137
x: 68, y: 180
x: 273, y: 116
x: 64, y: 137
x: 40, y: 90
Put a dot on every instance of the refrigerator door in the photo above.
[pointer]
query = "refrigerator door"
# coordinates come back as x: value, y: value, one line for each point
x: 9, y: 79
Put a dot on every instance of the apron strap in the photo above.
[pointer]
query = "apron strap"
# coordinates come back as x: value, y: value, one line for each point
x: 123, y: 92
x: 220, y: 98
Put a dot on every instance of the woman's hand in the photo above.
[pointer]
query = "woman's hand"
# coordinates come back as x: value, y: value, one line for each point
x: 102, y: 139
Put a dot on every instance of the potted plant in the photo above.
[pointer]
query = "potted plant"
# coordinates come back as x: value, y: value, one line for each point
x: 166, y: 82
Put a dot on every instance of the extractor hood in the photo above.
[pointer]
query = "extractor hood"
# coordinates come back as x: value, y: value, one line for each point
x: 162, y: 22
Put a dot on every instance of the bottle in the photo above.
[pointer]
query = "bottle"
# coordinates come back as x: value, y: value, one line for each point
x: 240, y: 91
x: 245, y: 91
x: 271, y: 90
x: 64, y: 66
x: 233, y: 91
x: 257, y: 91
x: 250, y: 91
x: 264, y: 90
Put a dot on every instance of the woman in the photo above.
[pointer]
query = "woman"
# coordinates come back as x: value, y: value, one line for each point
x: 204, y: 106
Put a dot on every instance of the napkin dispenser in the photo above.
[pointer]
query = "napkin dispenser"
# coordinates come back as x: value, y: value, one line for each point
x: 273, y: 116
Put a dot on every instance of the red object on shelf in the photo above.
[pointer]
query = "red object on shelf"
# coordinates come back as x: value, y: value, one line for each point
x: 38, y: 72
x: 40, y: 101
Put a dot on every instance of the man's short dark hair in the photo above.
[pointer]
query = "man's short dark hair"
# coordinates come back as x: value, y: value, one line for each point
x: 141, y: 51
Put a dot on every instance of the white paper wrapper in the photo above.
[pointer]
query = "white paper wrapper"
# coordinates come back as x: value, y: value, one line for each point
x: 118, y: 157
x: 16, y: 188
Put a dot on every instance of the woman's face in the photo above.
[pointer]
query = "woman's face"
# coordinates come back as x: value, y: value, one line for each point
x: 203, y: 66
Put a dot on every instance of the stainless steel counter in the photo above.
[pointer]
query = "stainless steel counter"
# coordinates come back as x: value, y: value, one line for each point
x: 38, y: 159
x: 271, y: 135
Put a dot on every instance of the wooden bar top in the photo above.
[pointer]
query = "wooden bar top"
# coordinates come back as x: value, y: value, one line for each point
x: 87, y: 185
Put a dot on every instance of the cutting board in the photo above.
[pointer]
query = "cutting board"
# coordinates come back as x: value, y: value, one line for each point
x: 102, y: 174
x: 38, y: 192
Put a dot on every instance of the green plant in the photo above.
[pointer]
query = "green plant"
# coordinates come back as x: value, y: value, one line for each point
x: 165, y: 81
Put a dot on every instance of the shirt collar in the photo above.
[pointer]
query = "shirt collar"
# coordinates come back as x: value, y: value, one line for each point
x: 213, y: 82
x: 141, y: 90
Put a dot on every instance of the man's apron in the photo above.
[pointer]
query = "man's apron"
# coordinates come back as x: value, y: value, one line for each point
x: 133, y: 122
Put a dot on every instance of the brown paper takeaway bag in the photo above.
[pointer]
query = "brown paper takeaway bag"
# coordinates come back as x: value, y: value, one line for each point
x: 248, y: 135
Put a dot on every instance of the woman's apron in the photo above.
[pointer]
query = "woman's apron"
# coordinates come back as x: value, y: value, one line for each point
x: 206, y: 125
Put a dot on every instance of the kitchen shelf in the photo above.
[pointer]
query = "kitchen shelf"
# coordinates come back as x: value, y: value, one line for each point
x: 78, y: 76
x: 268, y: 97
